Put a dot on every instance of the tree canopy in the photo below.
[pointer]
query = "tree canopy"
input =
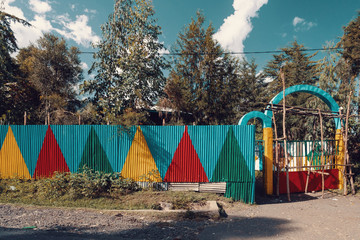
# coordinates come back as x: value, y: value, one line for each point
x: 128, y: 64
x: 54, y: 70
x: 8, y: 68
x: 203, y: 85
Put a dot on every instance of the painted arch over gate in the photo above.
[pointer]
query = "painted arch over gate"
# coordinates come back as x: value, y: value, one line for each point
x: 266, y: 119
x: 324, y: 96
x: 267, y: 115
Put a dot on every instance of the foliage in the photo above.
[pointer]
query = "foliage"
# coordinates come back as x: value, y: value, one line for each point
x: 128, y: 63
x: 8, y: 67
x: 253, y: 92
x: 151, y: 177
x: 86, y: 184
x: 297, y: 68
x: 61, y: 190
x: 53, y: 70
x: 351, y: 46
x: 93, y: 184
x: 7, y: 44
x: 204, y: 82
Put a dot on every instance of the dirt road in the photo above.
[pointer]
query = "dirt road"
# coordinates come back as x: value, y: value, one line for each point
x: 306, y: 217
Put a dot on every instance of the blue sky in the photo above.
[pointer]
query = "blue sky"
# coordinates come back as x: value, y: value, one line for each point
x: 240, y: 25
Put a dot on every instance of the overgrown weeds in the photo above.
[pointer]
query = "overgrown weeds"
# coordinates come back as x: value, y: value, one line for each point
x: 70, y: 186
x: 94, y: 189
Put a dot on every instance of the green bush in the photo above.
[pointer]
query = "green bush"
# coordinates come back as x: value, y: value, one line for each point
x: 85, y: 184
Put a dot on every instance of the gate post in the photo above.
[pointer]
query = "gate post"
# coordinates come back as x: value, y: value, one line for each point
x: 339, y: 159
x: 268, y: 156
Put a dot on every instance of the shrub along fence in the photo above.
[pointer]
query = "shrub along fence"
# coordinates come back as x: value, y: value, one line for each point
x: 143, y: 153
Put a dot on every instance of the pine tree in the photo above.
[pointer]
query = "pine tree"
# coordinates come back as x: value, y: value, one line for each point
x: 350, y: 63
x: 252, y: 86
x: 298, y: 68
x: 351, y: 46
x: 203, y: 86
x: 8, y: 68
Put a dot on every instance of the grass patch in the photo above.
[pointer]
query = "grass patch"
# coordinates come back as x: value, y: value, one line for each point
x: 95, y: 190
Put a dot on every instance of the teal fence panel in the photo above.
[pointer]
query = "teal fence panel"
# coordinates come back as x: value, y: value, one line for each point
x: 163, y: 142
x: 116, y: 142
x: 208, y: 142
x: 30, y: 140
x: 3, y: 131
x: 71, y: 140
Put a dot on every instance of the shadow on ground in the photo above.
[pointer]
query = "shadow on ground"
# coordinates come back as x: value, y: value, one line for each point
x: 248, y: 228
x: 243, y: 228
x: 261, y: 198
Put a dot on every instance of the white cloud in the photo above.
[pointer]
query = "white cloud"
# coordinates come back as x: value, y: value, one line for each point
x: 236, y: 27
x: 77, y: 30
x: 301, y: 24
x: 164, y: 51
x: 27, y: 35
x: 297, y: 21
x: 13, y: 10
x: 90, y: 11
x: 39, y: 6
x: 84, y: 66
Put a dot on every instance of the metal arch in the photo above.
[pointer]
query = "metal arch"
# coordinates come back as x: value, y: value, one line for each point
x: 266, y: 121
x: 324, y: 96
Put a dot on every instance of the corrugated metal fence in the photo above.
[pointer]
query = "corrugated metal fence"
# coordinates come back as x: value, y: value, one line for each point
x: 143, y: 153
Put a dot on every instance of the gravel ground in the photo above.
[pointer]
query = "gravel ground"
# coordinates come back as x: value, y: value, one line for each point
x: 20, y: 222
x: 306, y: 217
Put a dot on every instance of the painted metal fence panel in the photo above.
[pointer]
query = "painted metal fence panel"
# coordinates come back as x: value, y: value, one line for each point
x: 30, y: 140
x: 12, y: 163
x: 306, y: 153
x: 144, y: 153
x: 163, y: 141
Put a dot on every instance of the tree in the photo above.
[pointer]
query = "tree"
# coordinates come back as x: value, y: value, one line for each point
x: 298, y: 68
x: 253, y: 86
x: 350, y: 60
x: 203, y: 86
x: 54, y: 70
x: 8, y: 68
x: 253, y: 92
x: 128, y: 63
x: 351, y: 46
x: 349, y: 63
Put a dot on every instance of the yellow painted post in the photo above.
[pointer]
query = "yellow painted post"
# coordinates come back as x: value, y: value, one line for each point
x: 340, y: 157
x: 268, y: 155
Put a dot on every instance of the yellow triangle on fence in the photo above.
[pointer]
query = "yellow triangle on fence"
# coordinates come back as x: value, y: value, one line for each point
x: 139, y: 164
x: 12, y: 163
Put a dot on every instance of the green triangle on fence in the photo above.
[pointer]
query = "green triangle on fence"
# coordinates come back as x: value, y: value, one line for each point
x: 94, y: 156
x: 231, y: 165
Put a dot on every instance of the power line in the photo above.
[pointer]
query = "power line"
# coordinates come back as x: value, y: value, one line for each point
x: 242, y: 53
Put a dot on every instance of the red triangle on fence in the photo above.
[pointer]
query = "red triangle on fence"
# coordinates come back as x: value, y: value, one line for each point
x: 185, y: 165
x: 50, y: 158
